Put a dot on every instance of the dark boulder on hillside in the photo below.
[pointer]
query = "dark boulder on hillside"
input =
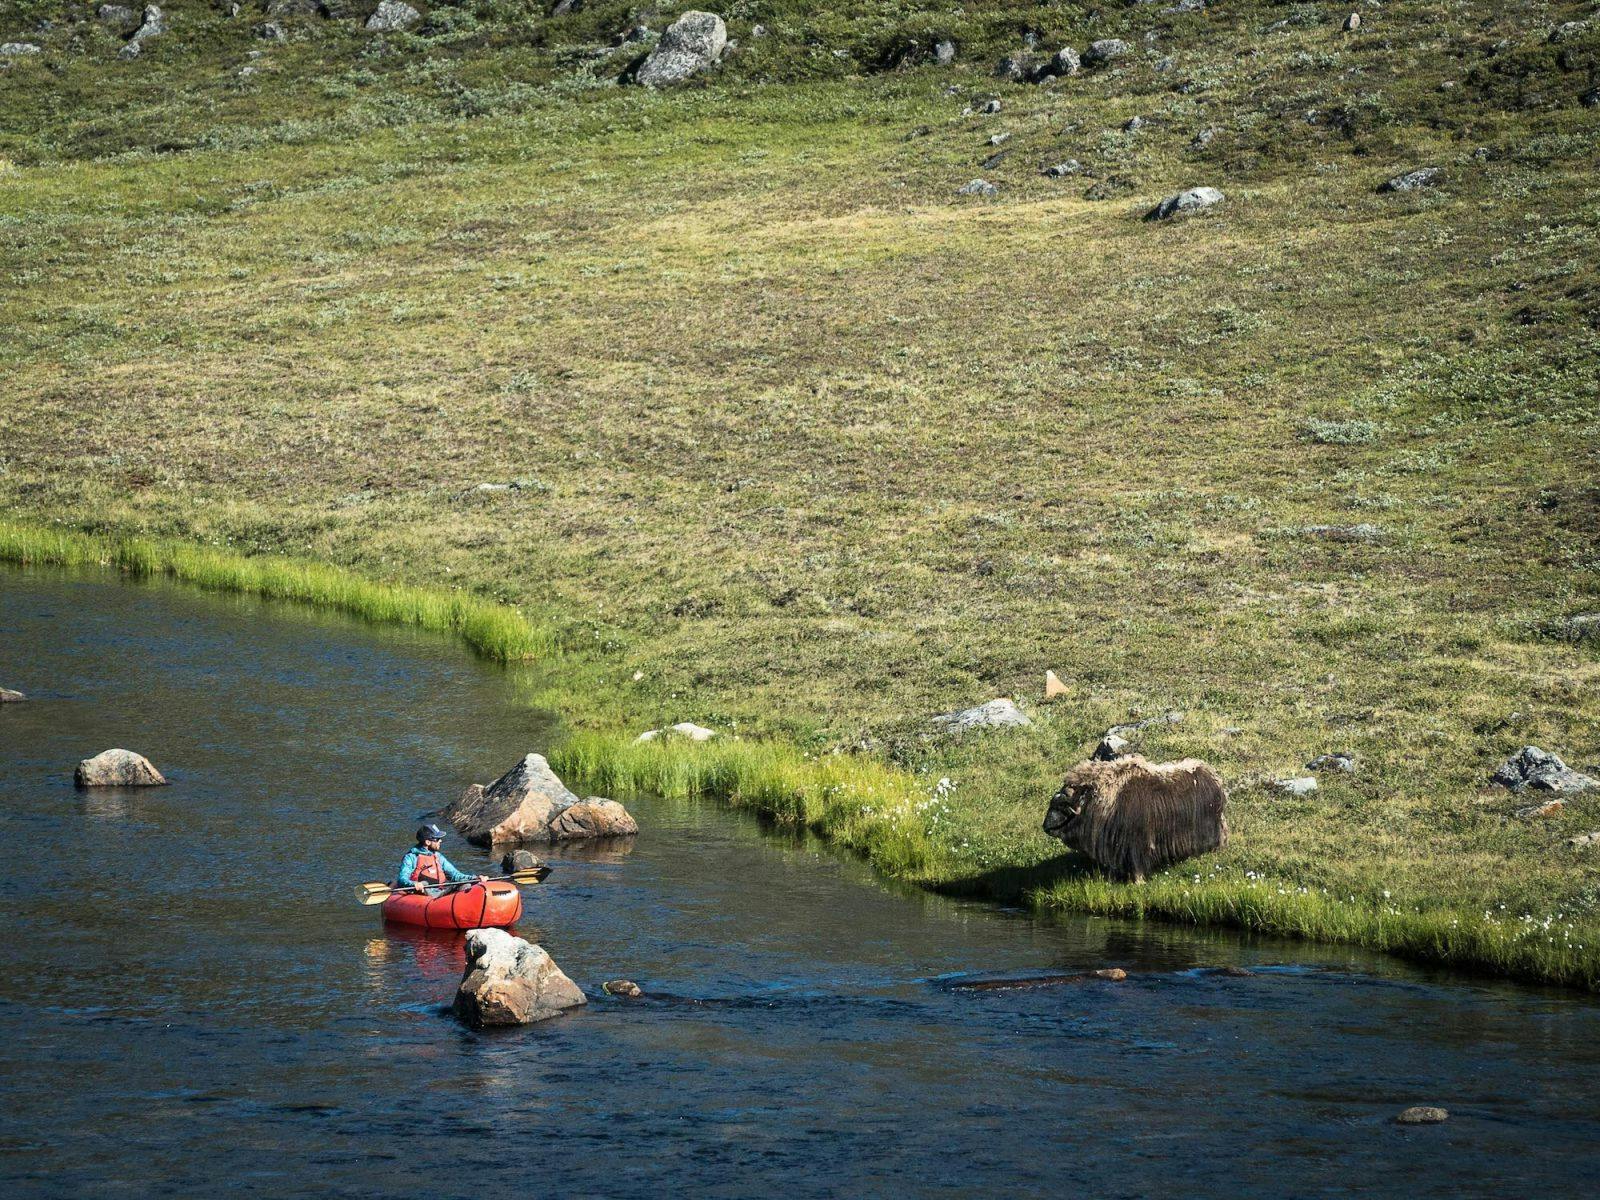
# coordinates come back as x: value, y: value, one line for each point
x: 1183, y: 204
x: 1533, y: 769
x: 692, y: 43
x: 1104, y: 51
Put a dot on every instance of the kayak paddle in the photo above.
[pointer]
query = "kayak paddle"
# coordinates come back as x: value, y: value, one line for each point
x: 377, y: 893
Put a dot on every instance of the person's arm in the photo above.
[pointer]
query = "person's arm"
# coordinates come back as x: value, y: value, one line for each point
x: 450, y: 872
x: 407, y: 865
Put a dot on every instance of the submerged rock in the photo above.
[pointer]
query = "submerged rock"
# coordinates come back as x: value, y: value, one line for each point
x: 117, y: 768
x: 1422, y: 1114
x: 626, y: 988
x: 519, y: 860
x: 1114, y: 974
x: 529, y: 803
x: 996, y: 714
x: 1534, y: 769
x: 509, y: 981
x: 690, y: 44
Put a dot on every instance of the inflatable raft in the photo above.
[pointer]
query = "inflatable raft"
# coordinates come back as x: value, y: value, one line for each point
x: 475, y: 906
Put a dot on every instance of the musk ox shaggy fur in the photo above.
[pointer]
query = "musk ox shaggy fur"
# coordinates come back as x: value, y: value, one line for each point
x: 1133, y: 817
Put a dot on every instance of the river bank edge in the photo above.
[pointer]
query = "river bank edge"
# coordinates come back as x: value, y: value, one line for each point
x: 856, y: 801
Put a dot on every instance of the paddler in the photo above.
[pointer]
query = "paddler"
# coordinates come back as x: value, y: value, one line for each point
x: 424, y: 867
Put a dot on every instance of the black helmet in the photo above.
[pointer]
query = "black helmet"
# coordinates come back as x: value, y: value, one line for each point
x: 429, y: 832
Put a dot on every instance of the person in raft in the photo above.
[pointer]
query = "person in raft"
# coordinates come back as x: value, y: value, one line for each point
x: 424, y: 867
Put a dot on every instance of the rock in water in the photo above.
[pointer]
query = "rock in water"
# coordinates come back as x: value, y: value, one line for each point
x: 392, y: 16
x: 592, y: 818
x: 530, y: 804
x: 1131, y: 816
x: 519, y: 860
x: 625, y: 988
x: 509, y: 981
x: 1533, y: 768
x: 518, y: 806
x: 7, y: 696
x: 691, y: 44
x: 994, y: 715
x: 1182, y: 204
x: 1422, y: 1114
x: 117, y: 768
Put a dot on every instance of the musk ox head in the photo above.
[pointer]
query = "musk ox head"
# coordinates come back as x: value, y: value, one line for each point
x: 1132, y: 817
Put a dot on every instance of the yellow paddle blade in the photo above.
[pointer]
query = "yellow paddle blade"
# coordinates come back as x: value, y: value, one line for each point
x: 373, y: 893
x: 530, y: 875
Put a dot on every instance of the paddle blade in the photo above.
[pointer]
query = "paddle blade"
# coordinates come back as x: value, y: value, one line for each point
x: 530, y: 875
x: 373, y: 893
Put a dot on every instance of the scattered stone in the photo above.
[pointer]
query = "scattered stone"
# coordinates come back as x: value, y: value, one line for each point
x: 1549, y: 808
x: 760, y: 31
x: 1164, y: 64
x: 1422, y: 1114
x: 1352, y: 22
x: 1186, y: 6
x: 392, y: 16
x: 8, y: 696
x: 1017, y: 68
x: 996, y: 714
x: 990, y: 106
x: 271, y: 31
x: 524, y: 805
x: 1337, y: 761
x: 132, y: 50
x: 1411, y: 181
x: 978, y: 187
x: 1133, y: 125
x: 1582, y: 627
x: 17, y: 49
x: 999, y: 139
x: 625, y: 988
x: 1591, y: 98
x: 117, y: 768
x: 1195, y: 200
x: 1566, y: 31
x: 1533, y: 768
x: 594, y: 817
x: 1054, y: 689
x: 944, y: 53
x: 116, y: 14
x: 1110, y: 188
x: 296, y: 8
x: 1236, y: 972
x: 1361, y: 532
x: 1110, y: 749
x: 683, y: 729
x: 691, y: 44
x: 1104, y: 51
x: 519, y: 860
x: 1203, y: 139
x: 1062, y: 169
x: 1132, y: 817
x: 509, y: 981
x: 1115, y: 974
x: 994, y: 160
x: 1063, y: 64
x: 1584, y: 840
x: 1302, y: 786
x: 155, y: 23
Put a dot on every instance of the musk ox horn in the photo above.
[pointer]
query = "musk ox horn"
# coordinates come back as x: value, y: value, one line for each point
x: 1133, y: 817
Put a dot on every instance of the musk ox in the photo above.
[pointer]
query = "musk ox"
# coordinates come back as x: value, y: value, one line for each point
x: 1133, y: 817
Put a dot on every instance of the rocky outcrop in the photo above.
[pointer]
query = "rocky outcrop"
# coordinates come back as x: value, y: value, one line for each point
x: 690, y: 44
x: 509, y: 981
x: 996, y: 714
x: 529, y: 803
x: 683, y: 729
x: 1183, y: 204
x: 1533, y: 769
x: 392, y: 16
x: 117, y: 768
x: 1132, y: 817
x: 1411, y: 181
x: 7, y: 696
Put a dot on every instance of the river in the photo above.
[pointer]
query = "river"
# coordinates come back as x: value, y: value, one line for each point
x: 194, y: 1004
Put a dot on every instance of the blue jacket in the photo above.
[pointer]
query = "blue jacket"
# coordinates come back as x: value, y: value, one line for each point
x: 409, y: 864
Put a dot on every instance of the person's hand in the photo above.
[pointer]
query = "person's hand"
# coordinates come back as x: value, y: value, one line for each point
x: 483, y: 879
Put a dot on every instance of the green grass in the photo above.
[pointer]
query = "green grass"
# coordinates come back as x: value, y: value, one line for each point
x: 809, y: 447
x: 492, y: 630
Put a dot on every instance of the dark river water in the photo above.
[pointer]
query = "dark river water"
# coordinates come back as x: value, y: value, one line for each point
x: 193, y: 1004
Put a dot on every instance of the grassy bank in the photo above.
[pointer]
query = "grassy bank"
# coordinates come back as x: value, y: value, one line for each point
x: 490, y: 629
x: 786, y: 437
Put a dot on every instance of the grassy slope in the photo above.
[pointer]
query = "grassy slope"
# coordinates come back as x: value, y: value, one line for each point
x: 818, y: 448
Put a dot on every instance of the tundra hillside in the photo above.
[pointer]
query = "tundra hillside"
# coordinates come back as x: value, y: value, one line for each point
x: 733, y: 387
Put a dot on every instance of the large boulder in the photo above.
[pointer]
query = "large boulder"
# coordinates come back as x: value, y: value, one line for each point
x: 509, y: 981
x: 392, y: 16
x: 1131, y: 816
x: 1104, y: 51
x: 690, y: 44
x: 592, y: 818
x: 529, y: 803
x: 996, y: 714
x: 117, y: 768
x: 1533, y: 769
x: 154, y: 23
x: 1183, y: 204
x: 7, y: 696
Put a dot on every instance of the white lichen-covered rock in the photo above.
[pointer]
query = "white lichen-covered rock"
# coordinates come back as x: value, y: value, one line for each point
x: 529, y: 803
x: 509, y: 981
x: 117, y: 768
x: 1411, y: 181
x: 996, y: 714
x: 1105, y: 50
x: 392, y: 16
x: 1303, y: 785
x: 17, y: 49
x: 683, y: 729
x: 154, y: 23
x: 978, y: 187
x: 11, y: 696
x: 690, y: 44
x: 1182, y: 204
x: 1533, y: 769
